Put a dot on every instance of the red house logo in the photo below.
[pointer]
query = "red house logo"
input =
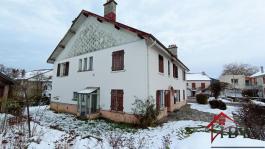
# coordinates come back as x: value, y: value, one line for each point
x: 219, y: 124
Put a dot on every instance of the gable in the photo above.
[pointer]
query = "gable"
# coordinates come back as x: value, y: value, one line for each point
x: 95, y: 35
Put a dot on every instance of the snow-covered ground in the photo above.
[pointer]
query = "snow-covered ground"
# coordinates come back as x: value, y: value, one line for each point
x: 206, y: 108
x: 63, y: 130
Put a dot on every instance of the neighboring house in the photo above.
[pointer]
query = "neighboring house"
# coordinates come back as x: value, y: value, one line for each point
x: 197, y: 83
x: 5, y: 88
x: 235, y: 81
x: 39, y: 82
x: 101, y: 67
x: 258, y: 82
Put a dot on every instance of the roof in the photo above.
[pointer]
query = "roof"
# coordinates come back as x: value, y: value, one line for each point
x: 258, y: 74
x: 6, y: 78
x: 47, y: 73
x: 141, y: 34
x: 197, y: 77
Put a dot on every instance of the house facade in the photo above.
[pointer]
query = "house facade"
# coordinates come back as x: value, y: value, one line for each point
x: 258, y: 81
x: 197, y: 83
x: 5, y: 88
x: 101, y: 67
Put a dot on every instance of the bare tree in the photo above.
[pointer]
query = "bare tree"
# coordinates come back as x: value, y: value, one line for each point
x: 239, y: 69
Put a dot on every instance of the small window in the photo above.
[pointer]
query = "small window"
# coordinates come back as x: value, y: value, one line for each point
x: 118, y: 60
x: 175, y: 71
x: 80, y: 65
x: 168, y: 68
x: 116, y: 100
x: 63, y: 69
x: 176, y: 96
x: 184, y: 75
x: 202, y: 85
x: 161, y: 63
x: 184, y: 94
x: 75, y: 97
x: 85, y: 64
x: 91, y: 63
x: 263, y: 80
x: 234, y: 81
x: 193, y: 85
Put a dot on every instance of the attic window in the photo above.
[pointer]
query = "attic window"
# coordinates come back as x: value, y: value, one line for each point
x: 118, y: 60
x: 63, y: 69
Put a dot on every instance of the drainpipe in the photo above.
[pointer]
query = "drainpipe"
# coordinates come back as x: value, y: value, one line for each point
x: 148, y: 85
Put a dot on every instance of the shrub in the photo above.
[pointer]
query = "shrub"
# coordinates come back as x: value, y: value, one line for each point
x: 217, y: 104
x: 250, y: 92
x: 13, y: 107
x: 252, y: 117
x: 146, y: 112
x: 202, y: 99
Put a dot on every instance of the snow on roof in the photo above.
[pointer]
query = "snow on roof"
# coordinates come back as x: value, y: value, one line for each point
x: 258, y: 74
x: 197, y: 77
x: 47, y: 73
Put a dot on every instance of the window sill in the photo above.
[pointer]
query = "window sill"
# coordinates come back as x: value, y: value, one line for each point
x: 160, y: 73
x: 85, y: 70
x: 116, y: 71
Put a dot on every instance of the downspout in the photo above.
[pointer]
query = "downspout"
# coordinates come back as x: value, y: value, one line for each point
x: 148, y: 78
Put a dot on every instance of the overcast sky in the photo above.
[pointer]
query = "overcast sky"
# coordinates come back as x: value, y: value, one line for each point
x: 209, y: 33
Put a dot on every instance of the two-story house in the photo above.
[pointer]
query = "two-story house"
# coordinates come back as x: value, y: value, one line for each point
x: 197, y: 83
x: 258, y: 81
x: 101, y: 66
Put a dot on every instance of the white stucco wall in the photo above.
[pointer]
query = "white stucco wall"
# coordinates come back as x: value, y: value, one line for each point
x: 241, y: 80
x: 159, y: 81
x: 132, y: 80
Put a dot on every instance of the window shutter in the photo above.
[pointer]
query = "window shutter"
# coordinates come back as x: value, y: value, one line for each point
x: 66, y: 68
x: 122, y: 60
x: 113, y: 99
x: 158, y: 100
x: 161, y: 63
x: 177, y: 71
x: 174, y: 71
x: 58, y: 70
x: 120, y: 100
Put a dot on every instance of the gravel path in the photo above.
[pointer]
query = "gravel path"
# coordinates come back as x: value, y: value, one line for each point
x: 186, y: 113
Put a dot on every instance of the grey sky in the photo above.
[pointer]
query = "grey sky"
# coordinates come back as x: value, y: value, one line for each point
x: 209, y: 33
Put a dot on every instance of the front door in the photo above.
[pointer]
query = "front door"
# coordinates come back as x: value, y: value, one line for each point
x: 167, y: 99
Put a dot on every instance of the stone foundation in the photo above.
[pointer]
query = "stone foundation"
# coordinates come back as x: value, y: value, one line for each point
x: 177, y: 106
x: 119, y: 116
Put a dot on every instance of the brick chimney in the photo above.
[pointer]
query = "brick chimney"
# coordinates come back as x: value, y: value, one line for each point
x: 173, y: 49
x: 261, y: 69
x: 110, y: 10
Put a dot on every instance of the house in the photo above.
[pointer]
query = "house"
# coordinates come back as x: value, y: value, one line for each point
x: 101, y: 67
x: 197, y: 83
x: 258, y: 82
x: 39, y: 82
x: 5, y: 88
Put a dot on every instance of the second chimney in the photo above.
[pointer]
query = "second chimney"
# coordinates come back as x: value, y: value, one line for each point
x: 173, y: 49
x: 261, y: 69
x: 110, y: 10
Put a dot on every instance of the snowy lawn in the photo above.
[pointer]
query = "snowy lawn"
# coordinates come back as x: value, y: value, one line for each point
x: 65, y: 131
x: 206, y: 108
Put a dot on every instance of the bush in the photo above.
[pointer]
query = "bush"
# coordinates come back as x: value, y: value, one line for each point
x: 217, y: 104
x: 146, y: 112
x: 250, y: 92
x: 202, y: 99
x: 252, y: 117
x: 13, y: 107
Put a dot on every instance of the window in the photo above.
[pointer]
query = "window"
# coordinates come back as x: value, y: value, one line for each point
x: 75, y: 97
x: 168, y: 68
x: 193, y: 85
x: 234, y: 81
x: 160, y: 101
x: 161, y: 63
x: 175, y: 71
x: 63, y: 69
x: 90, y: 63
x: 116, y: 100
x: 176, y: 96
x: 118, y: 60
x: 202, y: 85
x: 184, y: 94
x: 184, y: 75
x: 80, y: 65
x: 263, y: 80
x: 85, y: 64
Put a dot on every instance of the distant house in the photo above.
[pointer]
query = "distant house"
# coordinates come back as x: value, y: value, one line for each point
x: 39, y: 82
x: 258, y: 81
x: 101, y: 67
x: 5, y: 87
x: 197, y: 83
